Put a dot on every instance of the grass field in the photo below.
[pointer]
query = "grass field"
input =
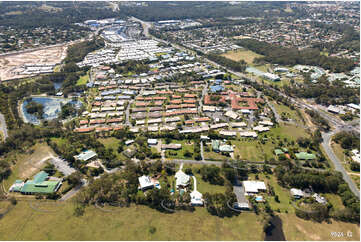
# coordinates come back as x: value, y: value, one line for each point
x: 83, y: 80
x: 26, y: 165
x: 292, y: 114
x: 133, y: 223
x: 295, y: 228
x: 335, y: 200
x: 251, y: 150
x: 344, y: 159
x: 203, y: 186
x: 211, y: 155
x: 179, y: 153
x: 237, y: 55
x: 114, y: 144
x: 284, y: 195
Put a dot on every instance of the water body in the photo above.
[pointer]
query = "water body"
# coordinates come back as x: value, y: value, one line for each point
x: 255, y: 71
x: 57, y: 85
x: 276, y: 233
x: 52, y: 107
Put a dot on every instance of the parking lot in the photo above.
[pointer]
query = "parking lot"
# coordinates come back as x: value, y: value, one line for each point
x: 62, y: 166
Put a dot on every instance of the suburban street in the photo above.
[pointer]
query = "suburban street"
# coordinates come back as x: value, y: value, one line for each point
x: 326, y: 144
x: 335, y: 122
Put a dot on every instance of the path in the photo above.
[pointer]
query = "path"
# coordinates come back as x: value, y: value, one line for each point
x: 202, y: 150
x: 3, y: 127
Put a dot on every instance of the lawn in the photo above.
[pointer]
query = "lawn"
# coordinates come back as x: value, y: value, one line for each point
x: 344, y: 159
x: 179, y: 154
x: 203, y: 186
x: 211, y: 155
x: 28, y: 164
x: 289, y: 113
x: 284, y: 195
x: 289, y: 131
x: 335, y: 200
x: 240, y: 54
x: 251, y: 150
x: 131, y: 223
x: 113, y: 143
x: 296, y: 228
x: 83, y: 80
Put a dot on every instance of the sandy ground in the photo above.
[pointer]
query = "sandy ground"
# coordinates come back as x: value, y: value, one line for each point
x: 12, y: 64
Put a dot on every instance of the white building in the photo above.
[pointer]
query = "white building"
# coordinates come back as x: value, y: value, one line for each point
x: 182, y: 179
x: 152, y: 141
x: 297, y: 193
x: 145, y: 182
x: 253, y: 187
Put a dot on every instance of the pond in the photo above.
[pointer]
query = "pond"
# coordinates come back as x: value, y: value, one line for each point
x: 276, y: 232
x: 254, y: 71
x: 57, y: 85
x: 52, y: 107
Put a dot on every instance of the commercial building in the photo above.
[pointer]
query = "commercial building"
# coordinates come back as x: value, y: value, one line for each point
x: 39, y: 185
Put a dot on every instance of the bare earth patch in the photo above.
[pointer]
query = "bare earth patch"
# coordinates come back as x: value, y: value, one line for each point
x: 11, y: 65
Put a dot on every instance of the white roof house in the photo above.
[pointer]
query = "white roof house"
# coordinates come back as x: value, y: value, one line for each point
x: 252, y: 187
x: 209, y: 108
x: 152, y: 141
x: 228, y: 133
x: 86, y: 155
x: 297, y: 193
x: 145, y: 182
x: 231, y: 114
x: 248, y: 134
x: 182, y: 179
x: 238, y: 125
x: 196, y: 198
x: 261, y: 128
x: 356, y: 156
x: 266, y: 123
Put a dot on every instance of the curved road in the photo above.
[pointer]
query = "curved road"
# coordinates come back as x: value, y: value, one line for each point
x: 326, y: 144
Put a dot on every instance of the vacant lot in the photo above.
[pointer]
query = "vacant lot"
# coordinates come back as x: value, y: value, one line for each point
x: 26, y: 165
x: 246, y: 55
x: 83, y: 80
x: 133, y: 223
x: 11, y: 64
x: 295, y: 228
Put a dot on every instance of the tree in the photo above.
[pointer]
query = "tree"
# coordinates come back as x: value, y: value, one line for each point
x: 188, y: 171
x: 74, y: 178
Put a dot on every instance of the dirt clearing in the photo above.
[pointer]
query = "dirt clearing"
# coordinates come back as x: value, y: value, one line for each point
x: 11, y: 66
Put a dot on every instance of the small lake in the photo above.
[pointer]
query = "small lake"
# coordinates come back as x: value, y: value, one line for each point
x: 255, y: 71
x: 276, y: 232
x: 52, y: 107
x: 57, y: 85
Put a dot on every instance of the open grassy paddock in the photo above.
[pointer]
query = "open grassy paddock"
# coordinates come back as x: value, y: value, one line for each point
x: 113, y: 143
x: 289, y: 113
x: 83, y: 80
x: 295, y: 228
x: 241, y: 54
x: 133, y: 223
x: 25, y: 165
x: 179, y: 154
